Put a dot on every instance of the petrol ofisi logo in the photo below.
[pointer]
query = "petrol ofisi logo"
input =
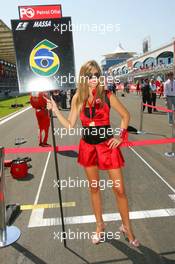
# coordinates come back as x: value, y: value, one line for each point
x: 28, y: 12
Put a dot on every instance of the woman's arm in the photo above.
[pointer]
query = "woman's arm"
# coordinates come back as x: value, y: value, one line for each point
x: 73, y: 115
x: 125, y: 117
x: 123, y: 112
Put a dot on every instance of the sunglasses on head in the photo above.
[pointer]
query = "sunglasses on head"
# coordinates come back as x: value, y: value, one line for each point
x: 91, y: 75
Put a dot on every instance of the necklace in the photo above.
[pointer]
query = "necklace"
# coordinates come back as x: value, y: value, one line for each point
x: 92, y: 123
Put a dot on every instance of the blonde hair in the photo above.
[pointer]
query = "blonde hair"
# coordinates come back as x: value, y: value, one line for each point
x: 83, y: 85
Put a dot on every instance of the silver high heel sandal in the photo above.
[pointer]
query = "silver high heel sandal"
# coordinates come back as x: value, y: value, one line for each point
x: 98, y: 237
x: 135, y: 242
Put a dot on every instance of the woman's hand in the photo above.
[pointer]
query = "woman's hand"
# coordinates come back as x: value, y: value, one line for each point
x: 51, y: 105
x: 114, y: 142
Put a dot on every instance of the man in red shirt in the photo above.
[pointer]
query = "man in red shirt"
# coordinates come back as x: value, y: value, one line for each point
x: 39, y: 103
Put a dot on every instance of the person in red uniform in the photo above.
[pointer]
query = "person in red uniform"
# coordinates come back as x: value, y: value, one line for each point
x: 92, y: 104
x: 39, y: 103
x: 161, y: 90
x: 138, y: 90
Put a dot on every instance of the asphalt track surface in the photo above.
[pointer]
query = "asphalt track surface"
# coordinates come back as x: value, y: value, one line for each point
x: 150, y: 185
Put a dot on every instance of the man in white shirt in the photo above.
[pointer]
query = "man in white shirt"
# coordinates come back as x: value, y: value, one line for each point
x: 169, y: 93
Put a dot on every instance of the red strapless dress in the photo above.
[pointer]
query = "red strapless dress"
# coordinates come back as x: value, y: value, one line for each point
x: 100, y: 154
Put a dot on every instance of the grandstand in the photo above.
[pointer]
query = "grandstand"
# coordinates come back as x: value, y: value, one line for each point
x: 155, y: 63
x: 8, y: 76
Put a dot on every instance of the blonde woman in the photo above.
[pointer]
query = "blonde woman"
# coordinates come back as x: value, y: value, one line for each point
x: 92, y: 104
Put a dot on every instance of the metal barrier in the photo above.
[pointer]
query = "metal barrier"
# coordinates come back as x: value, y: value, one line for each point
x: 8, y: 234
x: 141, y: 119
x: 170, y: 154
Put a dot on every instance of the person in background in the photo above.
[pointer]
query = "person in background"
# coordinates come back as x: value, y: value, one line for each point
x: 161, y: 89
x: 125, y: 84
x: 146, y: 95
x: 157, y: 83
x: 57, y: 97
x: 72, y: 92
x: 39, y: 103
x: 169, y: 94
x: 110, y: 83
x: 138, y: 87
x: 153, y: 93
x: 114, y: 87
x: 128, y: 88
x: 63, y: 99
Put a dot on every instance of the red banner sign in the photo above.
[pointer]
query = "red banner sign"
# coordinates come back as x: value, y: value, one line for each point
x: 40, y: 12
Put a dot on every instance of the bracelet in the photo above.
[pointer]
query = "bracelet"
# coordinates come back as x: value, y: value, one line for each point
x: 123, y: 133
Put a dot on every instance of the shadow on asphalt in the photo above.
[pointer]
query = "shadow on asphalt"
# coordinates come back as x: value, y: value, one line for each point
x: 68, y: 153
x: 75, y: 253
x: 141, y: 255
x: 28, y: 254
x: 29, y: 177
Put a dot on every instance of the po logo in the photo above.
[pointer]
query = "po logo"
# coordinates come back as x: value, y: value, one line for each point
x: 28, y: 12
x: 43, y: 61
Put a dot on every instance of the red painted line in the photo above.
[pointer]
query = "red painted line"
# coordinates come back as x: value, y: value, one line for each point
x: 76, y: 147
x: 1, y: 196
x: 28, y: 150
x: 150, y: 142
x: 39, y: 149
x: 159, y: 108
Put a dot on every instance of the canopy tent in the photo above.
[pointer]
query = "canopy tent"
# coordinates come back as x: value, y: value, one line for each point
x: 119, y: 52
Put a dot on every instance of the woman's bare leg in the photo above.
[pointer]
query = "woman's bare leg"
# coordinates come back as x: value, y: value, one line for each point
x: 121, y: 199
x: 95, y: 193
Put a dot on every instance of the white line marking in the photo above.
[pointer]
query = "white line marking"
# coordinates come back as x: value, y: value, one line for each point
x: 172, y: 197
x: 11, y: 116
x: 38, y: 220
x: 36, y: 217
x: 36, y: 213
x: 42, y: 179
x: 17, y: 111
x: 151, y: 168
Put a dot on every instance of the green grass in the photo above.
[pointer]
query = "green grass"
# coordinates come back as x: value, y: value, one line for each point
x: 5, y: 105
